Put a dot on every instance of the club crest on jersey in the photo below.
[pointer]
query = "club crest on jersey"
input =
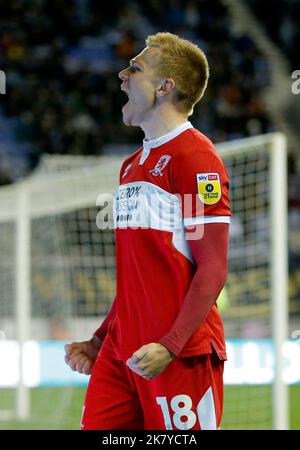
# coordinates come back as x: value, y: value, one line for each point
x: 160, y: 165
x: 209, y: 188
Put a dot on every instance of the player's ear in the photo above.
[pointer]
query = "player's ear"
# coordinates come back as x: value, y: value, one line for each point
x: 165, y: 87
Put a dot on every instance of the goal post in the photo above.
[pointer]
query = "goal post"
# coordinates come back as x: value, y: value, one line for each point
x: 58, y: 279
x: 23, y: 292
x: 274, y: 147
x: 279, y: 276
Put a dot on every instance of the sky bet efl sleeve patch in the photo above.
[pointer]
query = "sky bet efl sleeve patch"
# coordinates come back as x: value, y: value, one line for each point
x: 209, y: 188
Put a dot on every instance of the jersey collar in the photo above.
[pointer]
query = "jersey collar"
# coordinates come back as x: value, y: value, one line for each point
x: 153, y: 143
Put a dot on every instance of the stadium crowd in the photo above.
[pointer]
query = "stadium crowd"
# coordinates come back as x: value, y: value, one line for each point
x: 63, y: 93
x: 281, y: 19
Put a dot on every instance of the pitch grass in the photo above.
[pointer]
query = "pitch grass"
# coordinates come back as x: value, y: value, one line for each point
x: 60, y: 408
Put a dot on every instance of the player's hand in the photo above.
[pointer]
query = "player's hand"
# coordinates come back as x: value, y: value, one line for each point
x: 150, y: 360
x: 80, y: 356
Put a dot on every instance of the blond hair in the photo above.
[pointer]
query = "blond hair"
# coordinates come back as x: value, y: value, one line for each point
x: 185, y: 63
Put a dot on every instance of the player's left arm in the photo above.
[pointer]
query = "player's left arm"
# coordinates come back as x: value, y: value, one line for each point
x: 210, y: 256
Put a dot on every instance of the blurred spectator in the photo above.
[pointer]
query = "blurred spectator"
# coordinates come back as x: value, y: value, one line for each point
x: 282, y: 22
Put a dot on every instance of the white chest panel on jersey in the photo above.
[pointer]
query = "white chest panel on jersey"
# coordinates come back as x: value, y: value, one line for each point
x: 141, y: 204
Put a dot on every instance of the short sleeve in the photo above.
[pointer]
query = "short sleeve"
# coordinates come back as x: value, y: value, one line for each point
x: 201, y: 180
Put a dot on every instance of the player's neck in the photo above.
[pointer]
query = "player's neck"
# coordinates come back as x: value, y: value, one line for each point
x: 162, y: 123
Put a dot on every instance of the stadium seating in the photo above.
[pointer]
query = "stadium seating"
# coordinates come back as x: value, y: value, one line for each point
x: 62, y: 66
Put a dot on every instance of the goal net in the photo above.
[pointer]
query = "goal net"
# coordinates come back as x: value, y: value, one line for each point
x: 57, y: 279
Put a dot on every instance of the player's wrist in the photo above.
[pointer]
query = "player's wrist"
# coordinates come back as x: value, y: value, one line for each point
x: 96, y: 341
x: 169, y: 351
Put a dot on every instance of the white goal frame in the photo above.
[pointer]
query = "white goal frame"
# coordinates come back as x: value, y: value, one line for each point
x: 278, y: 259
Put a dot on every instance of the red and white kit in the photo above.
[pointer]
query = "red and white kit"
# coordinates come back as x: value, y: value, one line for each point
x: 171, y: 184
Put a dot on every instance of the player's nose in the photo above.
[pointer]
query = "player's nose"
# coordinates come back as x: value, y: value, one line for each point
x: 123, y: 75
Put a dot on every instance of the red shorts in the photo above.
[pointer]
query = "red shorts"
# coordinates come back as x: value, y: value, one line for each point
x: 187, y: 395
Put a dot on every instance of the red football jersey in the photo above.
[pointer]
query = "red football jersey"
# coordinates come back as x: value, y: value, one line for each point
x: 175, y: 181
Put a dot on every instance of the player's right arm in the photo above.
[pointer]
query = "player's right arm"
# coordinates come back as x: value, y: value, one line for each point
x: 80, y: 356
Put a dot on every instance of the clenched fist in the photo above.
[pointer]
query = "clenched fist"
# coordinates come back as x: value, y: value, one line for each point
x: 80, y: 356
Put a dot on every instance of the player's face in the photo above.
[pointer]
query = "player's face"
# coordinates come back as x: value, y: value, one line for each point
x: 138, y: 81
